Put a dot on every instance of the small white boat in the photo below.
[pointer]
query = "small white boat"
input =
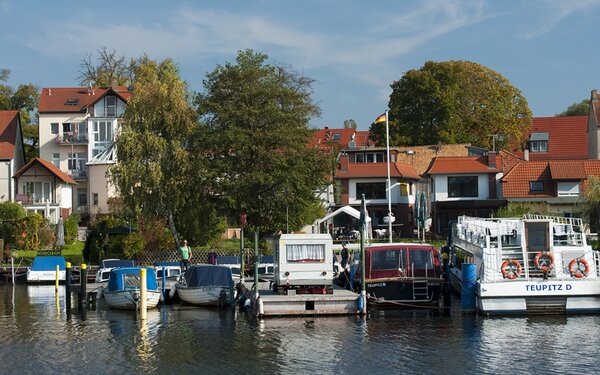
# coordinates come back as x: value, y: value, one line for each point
x: 206, y: 285
x: 123, y: 290
x: 43, y: 270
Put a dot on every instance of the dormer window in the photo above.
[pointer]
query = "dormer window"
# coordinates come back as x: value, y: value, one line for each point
x: 72, y: 102
x: 536, y: 185
x: 111, y: 106
x: 337, y: 137
x: 538, y: 142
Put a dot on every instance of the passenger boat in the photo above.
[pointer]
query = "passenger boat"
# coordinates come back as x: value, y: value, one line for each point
x: 43, y: 270
x: 123, y: 289
x: 206, y: 285
x: 107, y: 265
x: 533, y: 264
x: 400, y: 275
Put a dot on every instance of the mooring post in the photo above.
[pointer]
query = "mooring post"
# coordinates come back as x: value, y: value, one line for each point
x: 363, y: 230
x: 143, y: 301
x: 256, y: 259
x: 164, y: 283
x: 83, y: 284
x: 56, y: 279
x: 68, y: 291
x: 12, y: 266
x: 242, y: 265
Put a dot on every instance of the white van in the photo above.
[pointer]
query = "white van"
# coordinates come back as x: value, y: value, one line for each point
x: 304, y: 263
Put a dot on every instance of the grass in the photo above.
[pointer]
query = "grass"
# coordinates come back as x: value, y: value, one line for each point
x: 73, y: 253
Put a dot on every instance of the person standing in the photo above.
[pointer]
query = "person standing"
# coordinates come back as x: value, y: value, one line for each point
x: 345, y: 256
x: 185, y: 253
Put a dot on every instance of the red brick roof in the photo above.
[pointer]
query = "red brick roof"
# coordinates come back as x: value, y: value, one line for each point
x: 567, y: 137
x: 325, y: 137
x: 9, y: 123
x: 50, y: 167
x: 366, y: 170
x: 567, y: 170
x: 463, y: 164
x: 55, y: 99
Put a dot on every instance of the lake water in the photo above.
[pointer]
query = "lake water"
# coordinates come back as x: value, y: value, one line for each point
x: 36, y: 338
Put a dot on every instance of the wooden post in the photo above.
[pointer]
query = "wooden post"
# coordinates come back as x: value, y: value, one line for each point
x: 68, y: 291
x: 56, y: 279
x: 83, y: 291
x: 143, y: 301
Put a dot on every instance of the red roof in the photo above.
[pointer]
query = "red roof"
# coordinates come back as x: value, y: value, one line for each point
x: 50, y: 167
x: 463, y: 164
x: 362, y: 170
x: 325, y: 137
x: 9, y: 123
x: 567, y: 137
x: 567, y: 170
x: 76, y: 99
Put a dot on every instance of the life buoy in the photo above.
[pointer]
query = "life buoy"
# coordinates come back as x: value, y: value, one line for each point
x: 544, y: 261
x: 579, y: 268
x: 511, y: 269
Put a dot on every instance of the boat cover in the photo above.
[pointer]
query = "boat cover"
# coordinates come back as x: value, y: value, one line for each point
x: 129, y: 278
x: 111, y: 263
x: 208, y: 275
x: 48, y: 263
x: 167, y: 264
x: 228, y: 259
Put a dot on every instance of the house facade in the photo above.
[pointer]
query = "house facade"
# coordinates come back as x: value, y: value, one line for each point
x: 75, y: 126
x: 12, y: 153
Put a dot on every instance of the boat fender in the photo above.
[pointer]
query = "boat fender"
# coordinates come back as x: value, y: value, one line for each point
x: 511, y: 269
x: 579, y: 268
x: 222, y: 299
x: 360, y: 303
x: 544, y: 261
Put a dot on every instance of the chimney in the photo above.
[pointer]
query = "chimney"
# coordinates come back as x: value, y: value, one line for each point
x: 49, y: 92
x: 526, y: 154
x: 491, y: 160
x: 344, y: 162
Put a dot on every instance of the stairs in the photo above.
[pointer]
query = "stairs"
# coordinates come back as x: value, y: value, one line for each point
x: 420, y: 290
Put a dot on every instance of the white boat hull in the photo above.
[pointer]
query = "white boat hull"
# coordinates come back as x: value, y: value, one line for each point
x: 202, y: 296
x: 124, y: 299
x: 45, y: 277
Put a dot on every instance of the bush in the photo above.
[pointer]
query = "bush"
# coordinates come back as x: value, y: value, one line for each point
x: 71, y: 227
x: 11, y: 215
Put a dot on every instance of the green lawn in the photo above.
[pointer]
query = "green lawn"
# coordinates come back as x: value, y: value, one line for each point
x: 73, y: 253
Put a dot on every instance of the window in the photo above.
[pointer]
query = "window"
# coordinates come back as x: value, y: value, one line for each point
x: 66, y: 127
x: 420, y: 259
x: 536, y: 185
x: 359, y: 158
x: 95, y: 199
x: 111, y: 105
x: 539, y: 146
x: 337, y: 137
x: 388, y: 259
x: 305, y: 253
x: 81, y: 197
x: 568, y: 188
x: 54, y: 128
x: 39, y: 192
x: 403, y: 190
x: 56, y: 160
x: 463, y: 186
x: 375, y: 157
x: 371, y: 190
x: 103, y: 136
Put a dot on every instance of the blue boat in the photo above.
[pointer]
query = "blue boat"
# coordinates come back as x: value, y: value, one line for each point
x: 123, y: 290
x: 207, y: 285
x: 43, y: 270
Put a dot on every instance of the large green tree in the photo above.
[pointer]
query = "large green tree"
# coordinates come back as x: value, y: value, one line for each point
x: 589, y: 202
x: 577, y: 109
x: 254, y: 129
x: 25, y: 99
x: 454, y: 102
x: 155, y: 171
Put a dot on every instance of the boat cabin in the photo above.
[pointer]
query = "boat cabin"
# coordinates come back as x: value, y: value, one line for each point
x: 402, y: 260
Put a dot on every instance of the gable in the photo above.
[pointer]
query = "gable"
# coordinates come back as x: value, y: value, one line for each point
x: 9, y: 130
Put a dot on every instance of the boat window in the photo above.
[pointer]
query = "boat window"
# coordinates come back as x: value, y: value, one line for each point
x: 388, y: 259
x: 305, y: 253
x: 420, y: 259
x: 159, y: 273
x: 131, y: 280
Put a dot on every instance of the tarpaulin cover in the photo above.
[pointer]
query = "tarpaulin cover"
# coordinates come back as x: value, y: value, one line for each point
x: 208, y: 275
x: 48, y: 263
x: 110, y: 263
x: 129, y: 278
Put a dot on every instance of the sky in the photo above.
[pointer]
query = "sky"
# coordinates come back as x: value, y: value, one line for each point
x: 353, y: 50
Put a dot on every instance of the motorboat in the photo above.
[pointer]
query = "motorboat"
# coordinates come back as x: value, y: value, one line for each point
x: 171, y: 270
x: 43, y: 270
x: 533, y: 264
x: 123, y: 289
x: 399, y: 275
x: 207, y: 285
x: 107, y: 265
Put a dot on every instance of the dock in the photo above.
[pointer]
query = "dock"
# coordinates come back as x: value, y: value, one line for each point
x: 341, y: 302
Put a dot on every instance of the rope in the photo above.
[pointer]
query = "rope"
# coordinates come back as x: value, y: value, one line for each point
x: 379, y: 300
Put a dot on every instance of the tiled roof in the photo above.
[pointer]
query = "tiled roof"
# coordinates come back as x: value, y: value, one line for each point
x: 76, y: 99
x: 463, y: 164
x: 50, y: 167
x: 325, y: 137
x: 366, y: 170
x: 567, y: 137
x: 567, y: 170
x: 9, y: 123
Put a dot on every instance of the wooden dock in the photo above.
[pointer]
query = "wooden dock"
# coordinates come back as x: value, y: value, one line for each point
x: 341, y: 302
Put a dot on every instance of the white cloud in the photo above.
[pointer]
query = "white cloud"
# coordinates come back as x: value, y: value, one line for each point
x: 554, y: 11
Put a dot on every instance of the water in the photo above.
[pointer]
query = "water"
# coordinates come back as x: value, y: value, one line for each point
x: 36, y: 338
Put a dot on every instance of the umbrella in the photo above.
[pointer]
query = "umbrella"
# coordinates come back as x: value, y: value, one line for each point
x: 60, y: 233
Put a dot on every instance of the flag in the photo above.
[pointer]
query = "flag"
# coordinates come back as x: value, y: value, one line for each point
x: 380, y: 119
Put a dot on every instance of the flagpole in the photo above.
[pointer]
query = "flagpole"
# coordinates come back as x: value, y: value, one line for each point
x: 389, y: 182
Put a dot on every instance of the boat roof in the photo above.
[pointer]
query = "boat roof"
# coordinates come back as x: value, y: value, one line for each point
x: 208, y: 274
x: 387, y: 246
x: 118, y: 281
x: 111, y: 263
x: 48, y: 263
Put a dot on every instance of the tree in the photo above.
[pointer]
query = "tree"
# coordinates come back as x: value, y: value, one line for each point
x: 108, y: 68
x: 254, y: 129
x: 577, y: 109
x: 11, y: 217
x: 155, y: 171
x: 350, y: 124
x: 518, y: 209
x: 454, y: 102
x: 589, y: 202
x: 25, y: 99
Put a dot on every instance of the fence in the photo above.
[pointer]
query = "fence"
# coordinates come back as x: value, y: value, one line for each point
x: 199, y: 256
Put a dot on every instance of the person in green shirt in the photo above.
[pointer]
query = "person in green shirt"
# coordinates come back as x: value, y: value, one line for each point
x: 186, y: 255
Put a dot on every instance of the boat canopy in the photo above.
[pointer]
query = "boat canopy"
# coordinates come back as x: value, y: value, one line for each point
x: 208, y: 275
x: 129, y: 278
x: 48, y: 263
x: 111, y: 263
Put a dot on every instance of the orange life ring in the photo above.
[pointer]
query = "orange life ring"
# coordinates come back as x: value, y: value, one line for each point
x: 576, y: 270
x: 547, y: 261
x: 511, y: 269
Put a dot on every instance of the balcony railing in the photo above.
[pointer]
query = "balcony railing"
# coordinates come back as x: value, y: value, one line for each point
x: 33, y: 199
x: 78, y: 174
x: 68, y: 139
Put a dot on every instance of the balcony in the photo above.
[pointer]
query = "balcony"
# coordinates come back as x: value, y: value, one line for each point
x: 72, y: 139
x: 78, y: 174
x: 33, y: 200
